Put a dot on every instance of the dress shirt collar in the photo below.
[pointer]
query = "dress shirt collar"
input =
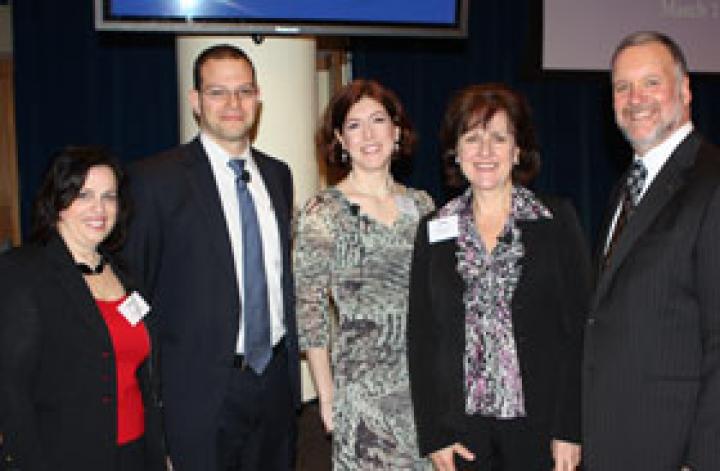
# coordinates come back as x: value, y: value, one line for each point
x: 656, y: 157
x: 220, y: 156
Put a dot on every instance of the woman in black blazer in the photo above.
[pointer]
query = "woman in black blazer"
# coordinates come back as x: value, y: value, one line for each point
x: 498, y: 288
x: 75, y: 388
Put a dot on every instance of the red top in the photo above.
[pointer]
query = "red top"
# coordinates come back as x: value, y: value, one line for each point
x: 132, y: 347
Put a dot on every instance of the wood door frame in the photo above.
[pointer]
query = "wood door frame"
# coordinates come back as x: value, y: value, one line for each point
x: 9, y: 188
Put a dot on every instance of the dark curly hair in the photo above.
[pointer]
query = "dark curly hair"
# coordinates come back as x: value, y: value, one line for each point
x: 328, y: 147
x: 476, y: 105
x: 62, y: 183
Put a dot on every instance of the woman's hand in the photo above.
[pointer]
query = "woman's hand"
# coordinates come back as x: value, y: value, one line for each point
x: 321, y: 373
x: 326, y: 415
x: 566, y: 455
x: 444, y: 459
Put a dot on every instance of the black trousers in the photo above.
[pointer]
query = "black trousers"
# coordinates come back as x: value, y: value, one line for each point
x: 257, y: 420
x: 505, y: 445
x: 131, y: 456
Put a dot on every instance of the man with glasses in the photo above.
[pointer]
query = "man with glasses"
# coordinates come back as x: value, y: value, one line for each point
x: 210, y: 243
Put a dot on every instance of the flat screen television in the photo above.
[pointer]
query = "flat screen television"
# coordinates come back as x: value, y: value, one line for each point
x: 426, y: 18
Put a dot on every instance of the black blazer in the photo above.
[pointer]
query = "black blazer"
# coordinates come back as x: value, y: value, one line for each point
x: 57, y: 368
x: 179, y: 248
x: 548, y: 309
x: 651, y: 376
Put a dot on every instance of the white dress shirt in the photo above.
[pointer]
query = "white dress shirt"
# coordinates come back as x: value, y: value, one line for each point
x: 272, y: 252
x: 653, y: 160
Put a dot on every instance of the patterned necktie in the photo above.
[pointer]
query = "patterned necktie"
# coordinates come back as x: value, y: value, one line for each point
x: 256, y: 314
x: 631, y: 197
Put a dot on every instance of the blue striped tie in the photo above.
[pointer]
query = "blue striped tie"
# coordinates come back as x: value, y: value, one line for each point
x: 256, y: 314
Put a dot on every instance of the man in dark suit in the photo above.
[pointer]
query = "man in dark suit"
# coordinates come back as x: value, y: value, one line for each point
x: 651, y: 377
x: 227, y: 336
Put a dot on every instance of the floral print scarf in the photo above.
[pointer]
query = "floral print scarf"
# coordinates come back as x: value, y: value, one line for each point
x: 493, y: 382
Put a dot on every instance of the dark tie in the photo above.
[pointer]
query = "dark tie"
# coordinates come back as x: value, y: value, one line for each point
x: 256, y: 315
x: 630, y: 199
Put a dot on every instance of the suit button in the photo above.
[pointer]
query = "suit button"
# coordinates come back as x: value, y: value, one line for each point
x: 591, y: 321
x: 106, y: 400
x: 105, y: 355
x: 105, y: 378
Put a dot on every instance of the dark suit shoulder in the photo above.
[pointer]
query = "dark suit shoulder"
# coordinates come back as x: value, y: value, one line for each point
x: 258, y: 154
x: 271, y: 162
x: 557, y: 205
x: 707, y: 162
x: 21, y: 262
x: 164, y: 161
x: 24, y: 283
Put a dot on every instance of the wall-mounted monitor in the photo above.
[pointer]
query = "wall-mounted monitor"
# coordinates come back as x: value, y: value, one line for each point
x: 426, y: 18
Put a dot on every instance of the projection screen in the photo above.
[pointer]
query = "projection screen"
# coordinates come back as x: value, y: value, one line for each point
x: 581, y: 34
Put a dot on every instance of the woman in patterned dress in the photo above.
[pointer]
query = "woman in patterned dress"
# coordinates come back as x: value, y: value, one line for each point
x: 499, y: 284
x: 351, y: 260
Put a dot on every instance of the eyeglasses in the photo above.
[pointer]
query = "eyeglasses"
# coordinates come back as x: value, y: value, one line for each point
x: 221, y: 94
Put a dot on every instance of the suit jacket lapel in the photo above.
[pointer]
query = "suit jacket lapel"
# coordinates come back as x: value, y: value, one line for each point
x: 661, y: 190
x: 273, y: 185
x: 599, y: 252
x: 72, y: 282
x: 455, y: 286
x: 445, y: 267
x: 202, y: 180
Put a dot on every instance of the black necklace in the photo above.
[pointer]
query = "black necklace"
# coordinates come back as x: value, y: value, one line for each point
x: 88, y: 270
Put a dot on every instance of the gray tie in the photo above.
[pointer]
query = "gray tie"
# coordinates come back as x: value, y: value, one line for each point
x: 634, y: 185
x: 636, y: 181
x: 256, y: 314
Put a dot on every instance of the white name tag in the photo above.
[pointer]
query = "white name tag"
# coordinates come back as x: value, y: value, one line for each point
x: 134, y: 308
x: 443, y: 228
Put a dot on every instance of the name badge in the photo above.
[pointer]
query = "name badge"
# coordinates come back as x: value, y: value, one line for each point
x: 443, y: 228
x: 134, y: 308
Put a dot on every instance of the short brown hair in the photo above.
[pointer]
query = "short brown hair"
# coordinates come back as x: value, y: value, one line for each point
x: 333, y: 119
x: 476, y: 105
x: 219, y: 51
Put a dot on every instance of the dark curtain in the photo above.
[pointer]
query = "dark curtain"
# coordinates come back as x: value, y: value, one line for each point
x: 76, y: 86
x: 582, y: 151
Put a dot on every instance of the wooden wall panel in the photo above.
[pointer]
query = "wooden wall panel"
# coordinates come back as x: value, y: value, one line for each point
x: 9, y: 191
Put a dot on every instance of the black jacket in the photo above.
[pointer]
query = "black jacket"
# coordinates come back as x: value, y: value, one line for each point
x: 179, y: 248
x: 57, y: 368
x: 548, y: 312
x: 651, y: 375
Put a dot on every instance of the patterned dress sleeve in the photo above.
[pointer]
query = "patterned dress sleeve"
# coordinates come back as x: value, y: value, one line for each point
x: 312, y: 254
x: 424, y: 202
